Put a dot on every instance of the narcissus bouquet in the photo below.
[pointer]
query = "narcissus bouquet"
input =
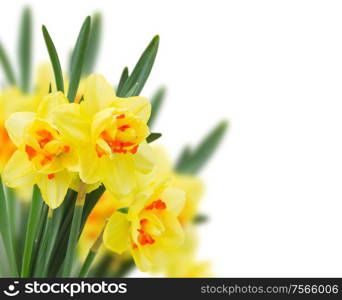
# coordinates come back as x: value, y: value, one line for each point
x: 84, y: 191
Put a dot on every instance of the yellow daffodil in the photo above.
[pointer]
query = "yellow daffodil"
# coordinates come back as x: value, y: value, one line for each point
x: 110, y: 133
x: 43, y: 156
x: 181, y: 261
x: 150, y: 227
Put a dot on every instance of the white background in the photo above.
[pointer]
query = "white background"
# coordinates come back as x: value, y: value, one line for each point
x: 274, y: 69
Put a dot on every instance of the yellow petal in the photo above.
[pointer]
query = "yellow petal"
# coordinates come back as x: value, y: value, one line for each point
x: 100, y: 121
x: 174, y: 199
x: 49, y: 104
x: 174, y: 235
x: 18, y: 171
x: 144, y: 159
x: 116, y: 234
x: 75, y: 185
x: 120, y: 179
x: 54, y: 190
x: 45, y: 78
x: 92, y: 167
x: 162, y: 161
x: 142, y: 259
x: 140, y: 106
x: 98, y: 94
x: 193, y: 188
x: 16, y: 124
x: 70, y: 123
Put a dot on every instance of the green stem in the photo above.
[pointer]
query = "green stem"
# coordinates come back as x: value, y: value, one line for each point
x: 74, y: 231
x: 31, y: 232
x: 6, y: 232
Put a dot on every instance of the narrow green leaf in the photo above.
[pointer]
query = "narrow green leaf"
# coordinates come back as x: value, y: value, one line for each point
x: 39, y: 236
x: 183, y: 157
x: 7, y: 67
x: 122, y: 81
x: 87, y: 264
x: 200, y: 218
x: 63, y: 234
x: 153, y: 136
x: 201, y: 155
x: 6, y: 232
x: 77, y: 59
x: 74, y: 230
x: 133, y: 91
x: 93, y: 45
x: 25, y: 49
x: 156, y: 103
x: 31, y: 231
x: 56, y: 222
x: 142, y: 69
x: 123, y: 210
x: 57, y: 70
x: 73, y: 238
x: 42, y: 253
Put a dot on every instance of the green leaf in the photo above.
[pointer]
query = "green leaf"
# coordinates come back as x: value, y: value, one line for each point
x: 124, y: 210
x: 183, y: 157
x: 133, y: 91
x: 25, y: 49
x: 122, y: 81
x: 142, y: 69
x: 153, y: 136
x: 200, y: 218
x: 87, y: 264
x: 196, y: 159
x: 6, y: 65
x: 6, y: 232
x: 42, y: 263
x: 78, y: 58
x: 63, y: 234
x: 93, y: 45
x: 56, y: 66
x: 31, y: 232
x: 156, y: 103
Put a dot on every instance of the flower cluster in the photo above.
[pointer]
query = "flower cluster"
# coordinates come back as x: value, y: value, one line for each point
x: 85, y: 149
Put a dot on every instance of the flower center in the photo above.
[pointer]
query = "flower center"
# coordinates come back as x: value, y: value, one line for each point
x: 122, y: 136
x: 145, y: 237
x: 45, y: 148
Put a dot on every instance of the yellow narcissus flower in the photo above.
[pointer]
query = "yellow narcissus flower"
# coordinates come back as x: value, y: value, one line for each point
x: 150, y: 227
x: 110, y: 133
x: 181, y: 261
x: 43, y: 156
